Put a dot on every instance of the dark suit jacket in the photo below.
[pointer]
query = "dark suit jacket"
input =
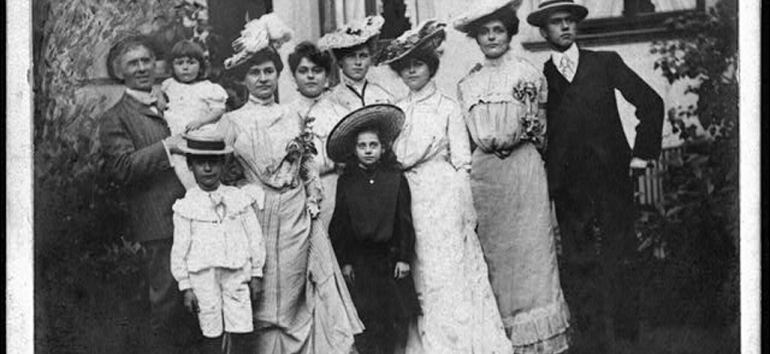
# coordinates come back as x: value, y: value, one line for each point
x: 134, y: 157
x: 584, y: 127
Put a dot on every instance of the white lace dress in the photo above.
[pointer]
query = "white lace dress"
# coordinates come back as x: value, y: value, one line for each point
x: 459, y: 310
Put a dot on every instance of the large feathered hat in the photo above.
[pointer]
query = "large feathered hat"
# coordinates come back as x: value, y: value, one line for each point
x: 352, y: 34
x: 427, y: 36
x: 267, y: 31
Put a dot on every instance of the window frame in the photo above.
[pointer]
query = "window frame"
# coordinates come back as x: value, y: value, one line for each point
x: 631, y: 27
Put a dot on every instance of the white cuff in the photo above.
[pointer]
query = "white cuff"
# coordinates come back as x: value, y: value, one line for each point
x: 168, y: 153
x: 184, y: 284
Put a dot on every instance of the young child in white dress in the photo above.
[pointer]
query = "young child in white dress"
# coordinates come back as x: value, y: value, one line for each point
x: 218, y: 251
x: 193, y: 101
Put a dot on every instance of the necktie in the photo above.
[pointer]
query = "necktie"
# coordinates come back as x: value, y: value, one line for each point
x: 567, y: 68
x: 219, y: 204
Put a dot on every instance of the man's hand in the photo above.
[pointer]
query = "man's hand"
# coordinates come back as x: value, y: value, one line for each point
x: 174, y: 144
x: 401, y: 271
x: 255, y: 285
x: 191, y: 301
x: 347, y: 273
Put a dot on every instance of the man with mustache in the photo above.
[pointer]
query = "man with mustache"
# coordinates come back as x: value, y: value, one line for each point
x: 136, y: 147
x: 589, y: 165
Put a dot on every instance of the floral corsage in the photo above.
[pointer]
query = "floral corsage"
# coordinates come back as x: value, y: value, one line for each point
x: 533, y: 129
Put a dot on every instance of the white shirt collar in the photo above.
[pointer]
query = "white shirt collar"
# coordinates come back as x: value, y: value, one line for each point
x: 358, y: 85
x: 572, y: 53
x: 144, y: 97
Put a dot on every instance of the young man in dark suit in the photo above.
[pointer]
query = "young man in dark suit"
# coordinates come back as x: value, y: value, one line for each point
x: 589, y: 166
x: 136, y: 147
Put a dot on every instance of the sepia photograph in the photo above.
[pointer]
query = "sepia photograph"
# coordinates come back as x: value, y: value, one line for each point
x: 383, y: 177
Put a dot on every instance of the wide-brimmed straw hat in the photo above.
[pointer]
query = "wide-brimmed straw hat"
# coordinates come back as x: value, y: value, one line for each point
x: 547, y: 7
x: 267, y: 31
x: 386, y: 118
x: 352, y: 34
x: 483, y: 9
x: 428, y: 36
x: 205, y: 141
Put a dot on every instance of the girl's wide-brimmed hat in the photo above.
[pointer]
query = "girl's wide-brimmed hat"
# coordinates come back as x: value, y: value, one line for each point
x: 386, y: 118
x: 428, y: 36
x: 352, y: 34
x: 205, y: 141
x: 486, y: 8
x: 267, y: 31
x: 547, y: 7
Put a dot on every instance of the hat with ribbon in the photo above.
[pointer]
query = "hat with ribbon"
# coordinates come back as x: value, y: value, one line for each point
x: 267, y: 31
x: 481, y: 10
x: 547, y: 7
x: 205, y: 141
x: 386, y: 118
x: 428, y: 36
x: 352, y: 34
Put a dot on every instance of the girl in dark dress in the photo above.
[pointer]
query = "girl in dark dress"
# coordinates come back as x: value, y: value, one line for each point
x: 371, y: 228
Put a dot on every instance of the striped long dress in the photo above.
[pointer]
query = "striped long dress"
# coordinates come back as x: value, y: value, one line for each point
x: 305, y: 307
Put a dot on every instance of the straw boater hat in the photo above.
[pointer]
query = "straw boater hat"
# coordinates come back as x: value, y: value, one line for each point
x: 428, y: 36
x: 352, y: 34
x: 387, y: 118
x: 547, y: 7
x: 486, y: 8
x: 267, y: 31
x: 205, y: 141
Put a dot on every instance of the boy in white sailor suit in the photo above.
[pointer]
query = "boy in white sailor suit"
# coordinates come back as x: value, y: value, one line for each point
x: 218, y: 251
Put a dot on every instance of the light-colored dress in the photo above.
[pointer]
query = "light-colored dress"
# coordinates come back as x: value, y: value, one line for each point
x: 353, y: 95
x: 306, y: 306
x: 321, y: 115
x: 459, y: 310
x: 186, y: 103
x: 510, y: 193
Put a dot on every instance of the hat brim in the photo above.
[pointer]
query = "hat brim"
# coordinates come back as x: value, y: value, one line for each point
x: 420, y: 44
x: 387, y: 118
x: 462, y: 22
x: 539, y: 17
x: 187, y: 151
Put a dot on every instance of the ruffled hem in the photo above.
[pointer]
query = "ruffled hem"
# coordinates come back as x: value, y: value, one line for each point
x: 554, y: 345
x: 539, y: 326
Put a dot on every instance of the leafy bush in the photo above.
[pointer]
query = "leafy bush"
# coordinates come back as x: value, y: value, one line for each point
x: 89, y: 290
x: 699, y: 219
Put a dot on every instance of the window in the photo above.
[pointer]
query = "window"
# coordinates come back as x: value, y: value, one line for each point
x: 612, y: 21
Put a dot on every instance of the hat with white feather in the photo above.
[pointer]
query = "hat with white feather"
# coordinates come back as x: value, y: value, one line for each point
x: 267, y: 31
x: 352, y: 34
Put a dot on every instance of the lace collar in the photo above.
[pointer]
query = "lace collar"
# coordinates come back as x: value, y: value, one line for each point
x: 262, y: 102
x: 425, y: 92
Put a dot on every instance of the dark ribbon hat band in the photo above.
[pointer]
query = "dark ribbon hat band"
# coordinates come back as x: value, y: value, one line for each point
x: 206, y: 145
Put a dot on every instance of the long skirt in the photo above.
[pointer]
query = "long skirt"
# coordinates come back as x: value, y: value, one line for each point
x: 459, y: 310
x: 306, y: 306
x: 516, y: 234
